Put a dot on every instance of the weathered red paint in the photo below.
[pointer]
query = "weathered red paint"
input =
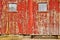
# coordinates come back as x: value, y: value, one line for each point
x: 35, y: 8
x: 54, y: 18
x: 0, y: 15
x: 54, y: 4
x: 30, y: 20
x: 34, y: 23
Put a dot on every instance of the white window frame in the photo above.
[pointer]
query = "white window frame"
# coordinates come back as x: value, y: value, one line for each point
x: 12, y: 7
x: 42, y: 7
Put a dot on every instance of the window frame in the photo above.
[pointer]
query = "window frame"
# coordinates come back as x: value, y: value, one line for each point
x: 16, y: 7
x: 43, y: 3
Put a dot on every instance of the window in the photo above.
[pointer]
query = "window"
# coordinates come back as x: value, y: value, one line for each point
x: 12, y: 7
x: 42, y: 7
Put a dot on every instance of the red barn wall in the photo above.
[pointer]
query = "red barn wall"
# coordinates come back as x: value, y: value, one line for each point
x: 27, y: 19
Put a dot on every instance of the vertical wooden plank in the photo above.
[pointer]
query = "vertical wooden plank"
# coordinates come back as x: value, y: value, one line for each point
x: 4, y: 17
x: 54, y: 24
x: 36, y: 18
x: 0, y: 16
x: 22, y: 23
x: 30, y: 21
x: 59, y: 17
x: 51, y: 17
x: 20, y: 18
x: 56, y: 17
